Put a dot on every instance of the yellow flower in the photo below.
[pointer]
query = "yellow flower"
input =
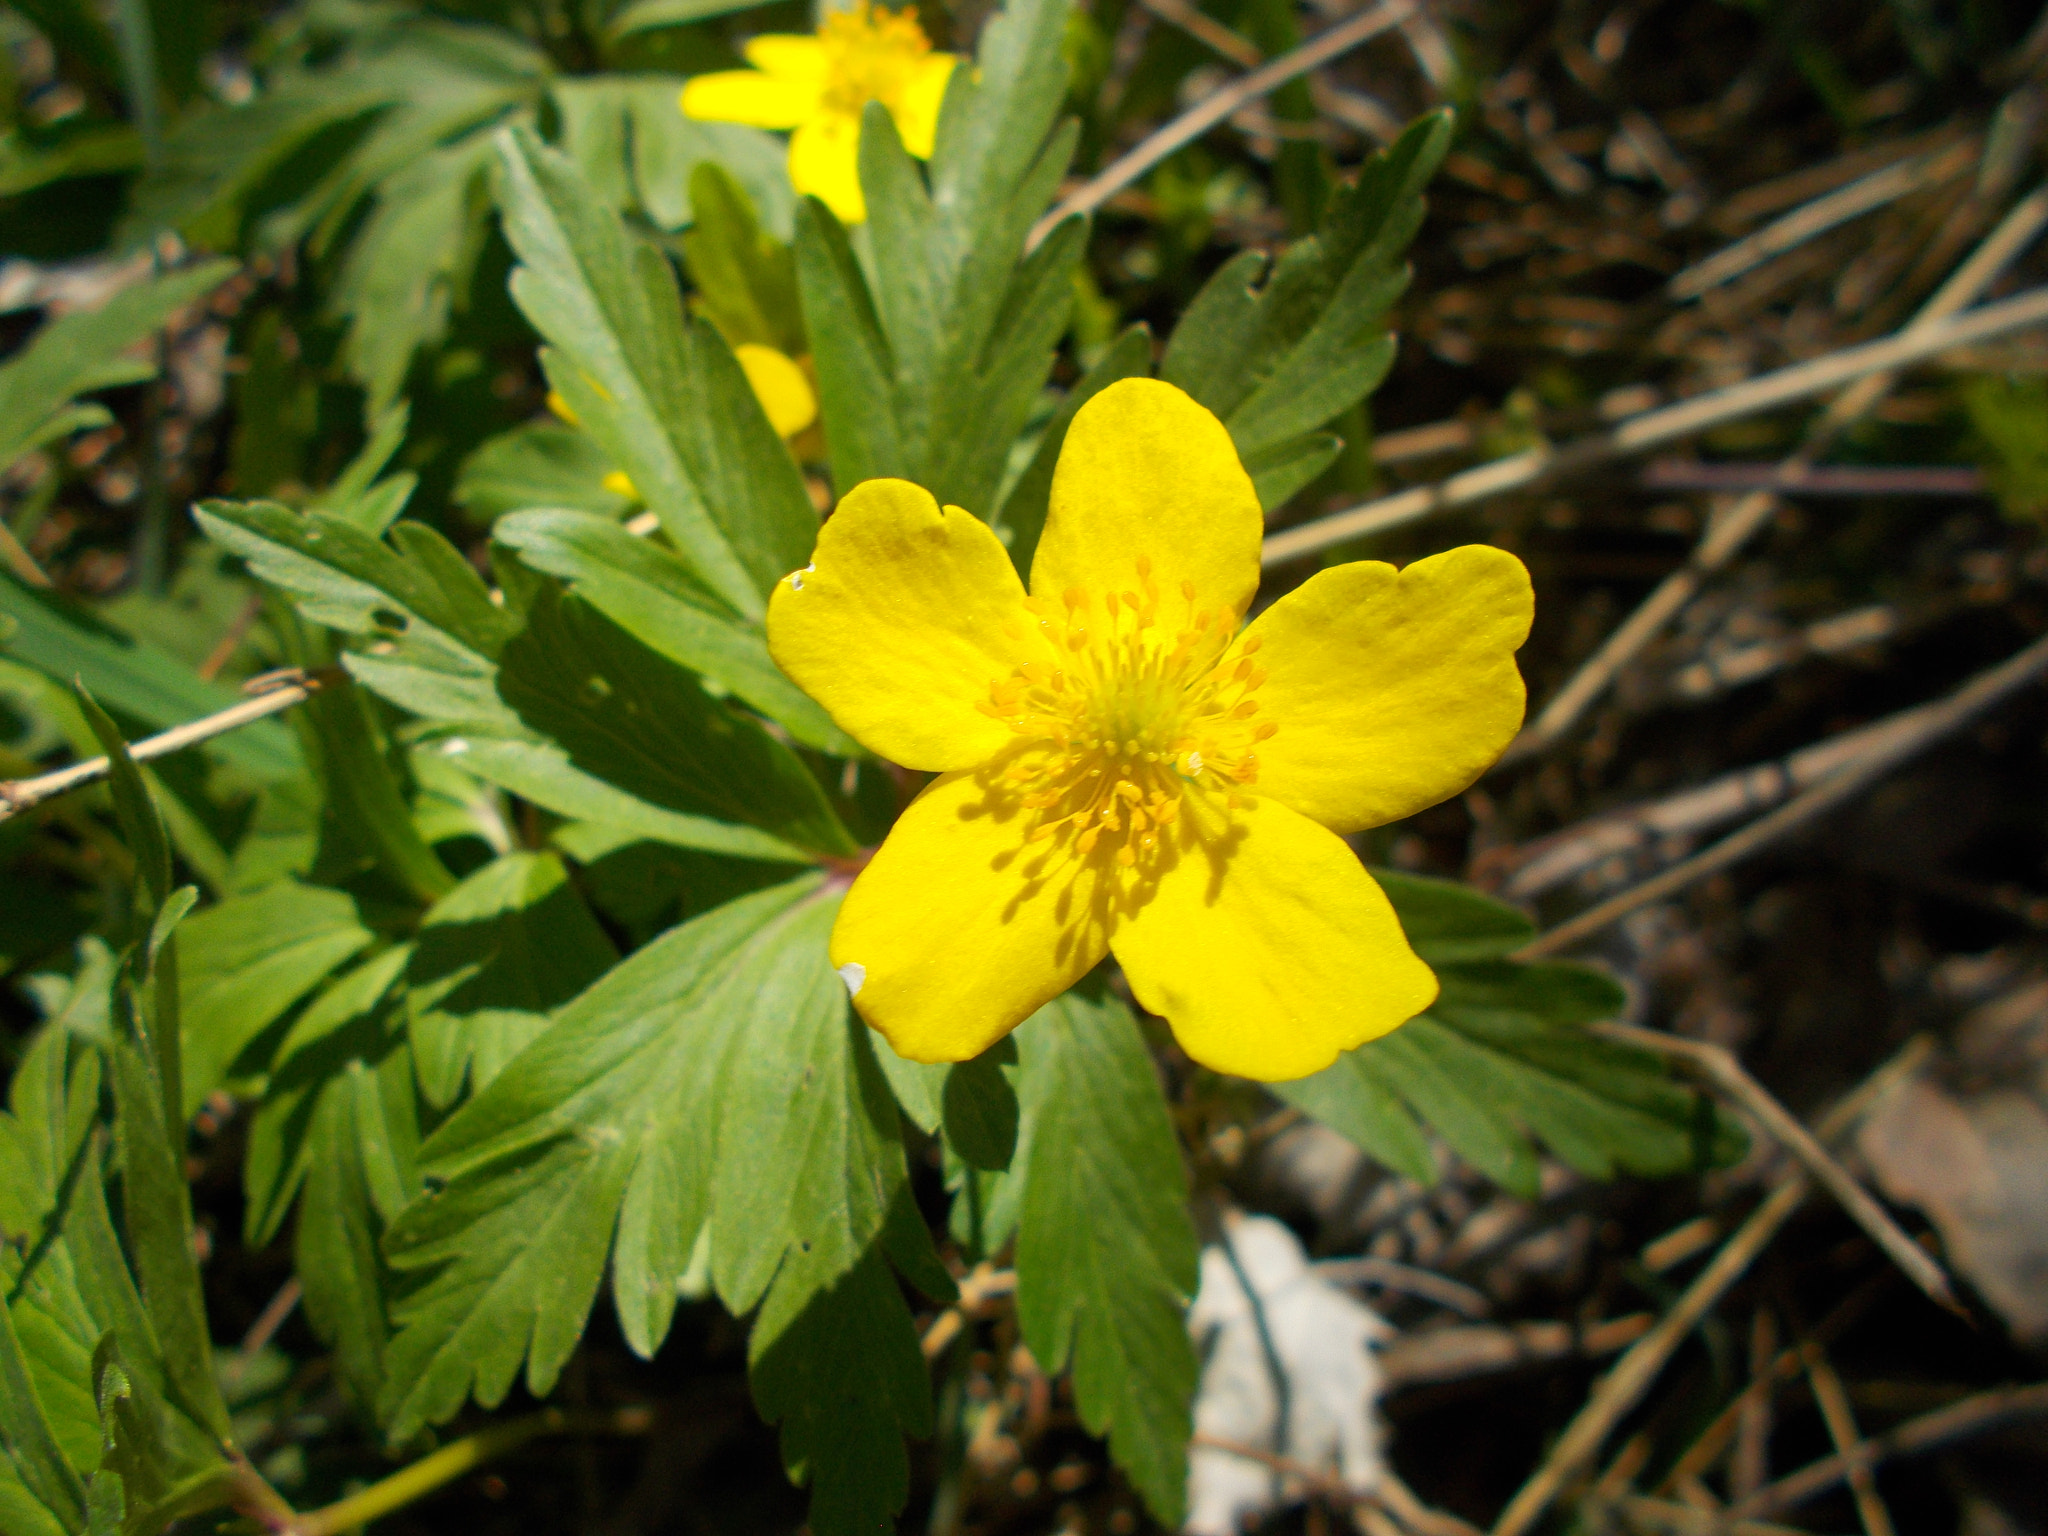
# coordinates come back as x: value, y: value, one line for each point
x: 818, y: 85
x: 780, y: 385
x: 1121, y: 769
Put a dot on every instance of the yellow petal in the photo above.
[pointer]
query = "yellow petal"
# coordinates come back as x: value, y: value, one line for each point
x: 950, y: 938
x: 789, y: 56
x: 619, y: 483
x: 917, y: 111
x: 901, y: 622
x: 1392, y: 690
x: 1145, y: 473
x: 750, y: 97
x: 1268, y: 947
x: 824, y: 162
x: 779, y: 384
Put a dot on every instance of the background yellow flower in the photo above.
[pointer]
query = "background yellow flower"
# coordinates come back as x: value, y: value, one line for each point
x: 817, y: 86
x: 1121, y: 770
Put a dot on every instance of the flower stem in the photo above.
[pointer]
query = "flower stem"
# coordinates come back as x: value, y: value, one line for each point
x: 415, y: 1482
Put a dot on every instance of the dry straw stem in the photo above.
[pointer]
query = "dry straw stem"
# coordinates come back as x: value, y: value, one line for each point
x: 986, y: 1284
x: 274, y: 693
x: 1727, y: 534
x: 1685, y: 1520
x: 1719, y: 1067
x: 1822, y: 215
x: 1460, y: 1354
x: 1214, y: 108
x: 1846, y: 782
x: 1972, y: 1416
x: 1652, y: 429
x: 1621, y: 1388
x: 1832, y: 1398
x: 1390, y: 1494
x: 1550, y: 862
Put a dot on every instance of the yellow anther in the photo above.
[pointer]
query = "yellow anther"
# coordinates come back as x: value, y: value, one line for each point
x: 1244, y: 669
x: 1126, y: 856
x: 1187, y: 590
x: 1245, y: 710
x: 1076, y: 599
x: 1252, y: 645
x: 1085, y: 843
x: 1265, y: 730
x: 1144, y: 566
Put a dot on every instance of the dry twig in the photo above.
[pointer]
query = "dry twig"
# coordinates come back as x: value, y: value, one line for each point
x: 1719, y: 1067
x: 273, y: 693
x: 1213, y: 109
x: 1950, y: 715
x: 1972, y: 1416
x: 1621, y: 1388
x: 1641, y: 433
x: 1730, y: 532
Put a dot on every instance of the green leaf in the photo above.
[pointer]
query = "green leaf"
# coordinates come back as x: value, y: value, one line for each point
x: 745, y: 277
x: 660, y: 394
x: 494, y: 958
x: 341, y: 1025
x: 66, y: 641
x: 365, y: 821
x: 538, y: 465
x: 652, y: 595
x: 140, y: 823
x: 834, y: 1360
x: 410, y: 264
x: 423, y: 591
x: 1281, y: 359
x: 634, y: 719
x: 608, y: 1120
x: 31, y: 1445
x: 1448, y: 923
x: 648, y: 15
x: 73, y: 354
x: 636, y: 149
x: 156, y: 1205
x: 1498, y: 1065
x: 543, y: 774
x: 361, y: 1147
x: 929, y: 366
x: 715, y: 1080
x: 248, y: 960
x: 980, y: 1108
x: 1106, y: 1255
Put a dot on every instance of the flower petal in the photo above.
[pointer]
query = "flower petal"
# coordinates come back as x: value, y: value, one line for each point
x: 793, y: 56
x: 824, y: 162
x: 1147, y: 473
x: 1268, y: 947
x: 958, y: 930
x: 1392, y: 690
x: 917, y: 111
x: 901, y: 622
x: 750, y: 97
x: 779, y: 384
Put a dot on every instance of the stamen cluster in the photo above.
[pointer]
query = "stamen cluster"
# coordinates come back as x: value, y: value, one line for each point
x: 871, y: 55
x: 1129, y: 719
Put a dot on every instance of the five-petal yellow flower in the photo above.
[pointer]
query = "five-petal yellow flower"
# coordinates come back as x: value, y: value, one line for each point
x: 818, y: 86
x: 1122, y: 769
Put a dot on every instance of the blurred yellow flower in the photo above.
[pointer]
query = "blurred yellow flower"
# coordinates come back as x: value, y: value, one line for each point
x: 780, y: 385
x: 778, y: 381
x: 1121, y: 769
x: 818, y: 86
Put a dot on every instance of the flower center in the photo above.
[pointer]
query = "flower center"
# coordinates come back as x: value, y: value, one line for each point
x: 1135, y: 714
x: 870, y: 55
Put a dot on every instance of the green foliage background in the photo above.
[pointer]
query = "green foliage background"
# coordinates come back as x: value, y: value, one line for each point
x: 511, y: 940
